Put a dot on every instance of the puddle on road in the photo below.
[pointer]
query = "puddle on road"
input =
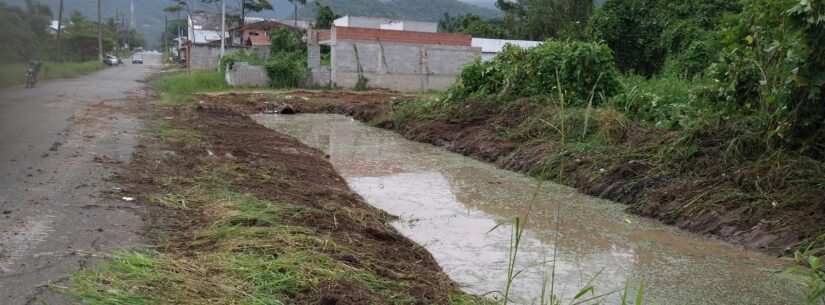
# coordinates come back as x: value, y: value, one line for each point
x: 448, y: 203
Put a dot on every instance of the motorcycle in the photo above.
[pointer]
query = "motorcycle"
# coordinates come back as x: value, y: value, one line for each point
x: 31, y: 73
x: 31, y: 78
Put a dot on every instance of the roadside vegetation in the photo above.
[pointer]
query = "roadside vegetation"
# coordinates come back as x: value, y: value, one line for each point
x: 705, y: 114
x: 12, y: 74
x: 718, y: 114
x: 27, y: 36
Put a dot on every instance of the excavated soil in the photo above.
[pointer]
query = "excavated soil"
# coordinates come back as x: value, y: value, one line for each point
x: 304, y: 177
x: 666, y: 197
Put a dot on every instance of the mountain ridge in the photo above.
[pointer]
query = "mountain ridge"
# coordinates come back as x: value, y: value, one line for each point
x: 149, y: 16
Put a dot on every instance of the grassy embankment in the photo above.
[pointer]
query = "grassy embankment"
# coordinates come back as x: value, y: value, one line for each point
x: 12, y: 74
x: 246, y: 224
x: 655, y: 146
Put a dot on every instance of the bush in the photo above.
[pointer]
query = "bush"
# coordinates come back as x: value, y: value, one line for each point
x: 668, y: 101
x: 773, y: 68
x: 287, y: 69
x: 647, y: 34
x: 517, y: 72
x: 228, y: 61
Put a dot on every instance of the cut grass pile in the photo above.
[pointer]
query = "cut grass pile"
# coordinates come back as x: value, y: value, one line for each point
x: 13, y: 74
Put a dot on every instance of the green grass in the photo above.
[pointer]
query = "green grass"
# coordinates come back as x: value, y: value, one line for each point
x: 13, y: 74
x: 178, y: 86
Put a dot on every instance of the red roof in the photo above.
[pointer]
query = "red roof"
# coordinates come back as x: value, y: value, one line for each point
x: 402, y: 36
x: 258, y: 41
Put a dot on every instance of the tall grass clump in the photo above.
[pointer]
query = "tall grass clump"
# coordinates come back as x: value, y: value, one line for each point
x: 177, y: 87
x: 664, y: 101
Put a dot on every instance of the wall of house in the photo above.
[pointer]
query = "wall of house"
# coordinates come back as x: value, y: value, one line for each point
x: 244, y: 75
x: 206, y: 57
x: 403, y: 67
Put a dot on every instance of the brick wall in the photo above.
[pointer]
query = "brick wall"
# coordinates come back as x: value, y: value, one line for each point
x: 349, y: 33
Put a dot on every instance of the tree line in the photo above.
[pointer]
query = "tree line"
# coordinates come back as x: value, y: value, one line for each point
x: 27, y: 34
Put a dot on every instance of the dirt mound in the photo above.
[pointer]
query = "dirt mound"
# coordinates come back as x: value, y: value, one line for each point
x: 276, y: 168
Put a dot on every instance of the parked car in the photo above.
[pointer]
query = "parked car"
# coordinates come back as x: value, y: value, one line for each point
x: 137, y: 59
x: 112, y: 60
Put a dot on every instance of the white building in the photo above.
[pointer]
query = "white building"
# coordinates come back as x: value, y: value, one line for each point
x: 491, y: 47
x: 386, y: 24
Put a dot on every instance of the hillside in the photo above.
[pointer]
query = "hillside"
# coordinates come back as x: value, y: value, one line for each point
x: 149, y: 14
x: 420, y: 10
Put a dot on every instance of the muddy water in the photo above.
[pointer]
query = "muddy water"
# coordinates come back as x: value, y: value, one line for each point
x: 449, y: 203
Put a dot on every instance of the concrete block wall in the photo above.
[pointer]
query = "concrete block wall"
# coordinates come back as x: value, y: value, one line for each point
x: 206, y: 57
x: 399, y: 66
x: 244, y: 75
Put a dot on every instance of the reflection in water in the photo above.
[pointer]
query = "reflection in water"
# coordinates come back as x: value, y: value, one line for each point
x: 448, y: 203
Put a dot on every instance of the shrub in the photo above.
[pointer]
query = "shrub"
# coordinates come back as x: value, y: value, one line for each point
x: 647, y: 34
x: 666, y: 101
x: 518, y: 72
x: 773, y: 68
x: 287, y: 69
x: 228, y: 61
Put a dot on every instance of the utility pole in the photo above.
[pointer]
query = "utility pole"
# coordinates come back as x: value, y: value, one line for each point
x: 131, y: 14
x: 223, y: 27
x: 59, y: 29
x: 99, y: 33
x: 165, y: 34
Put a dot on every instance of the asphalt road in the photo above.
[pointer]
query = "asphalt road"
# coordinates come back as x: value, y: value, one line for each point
x: 58, y: 143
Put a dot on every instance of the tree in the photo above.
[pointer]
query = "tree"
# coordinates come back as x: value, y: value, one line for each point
x: 182, y: 5
x: 255, y: 6
x: 542, y: 19
x: 470, y: 24
x: 24, y: 33
x: 324, y: 16
x: 645, y: 34
x: 296, y: 2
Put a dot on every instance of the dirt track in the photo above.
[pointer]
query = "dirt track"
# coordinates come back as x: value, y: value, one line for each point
x: 59, y: 143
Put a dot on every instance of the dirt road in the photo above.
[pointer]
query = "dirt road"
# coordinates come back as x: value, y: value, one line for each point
x: 58, y: 143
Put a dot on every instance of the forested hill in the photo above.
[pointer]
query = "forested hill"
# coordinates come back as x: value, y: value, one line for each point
x: 419, y: 10
x: 149, y: 14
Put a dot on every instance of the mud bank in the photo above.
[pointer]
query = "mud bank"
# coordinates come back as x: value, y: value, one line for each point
x: 242, y: 200
x: 703, y: 197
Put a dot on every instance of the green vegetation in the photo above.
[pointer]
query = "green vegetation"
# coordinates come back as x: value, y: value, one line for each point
x: 718, y: 109
x: 11, y: 74
x: 287, y: 63
x: 324, y: 16
x: 177, y: 87
x: 809, y: 271
x: 516, y: 72
x: 648, y: 36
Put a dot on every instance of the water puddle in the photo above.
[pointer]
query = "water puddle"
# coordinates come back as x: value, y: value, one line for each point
x: 449, y: 203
